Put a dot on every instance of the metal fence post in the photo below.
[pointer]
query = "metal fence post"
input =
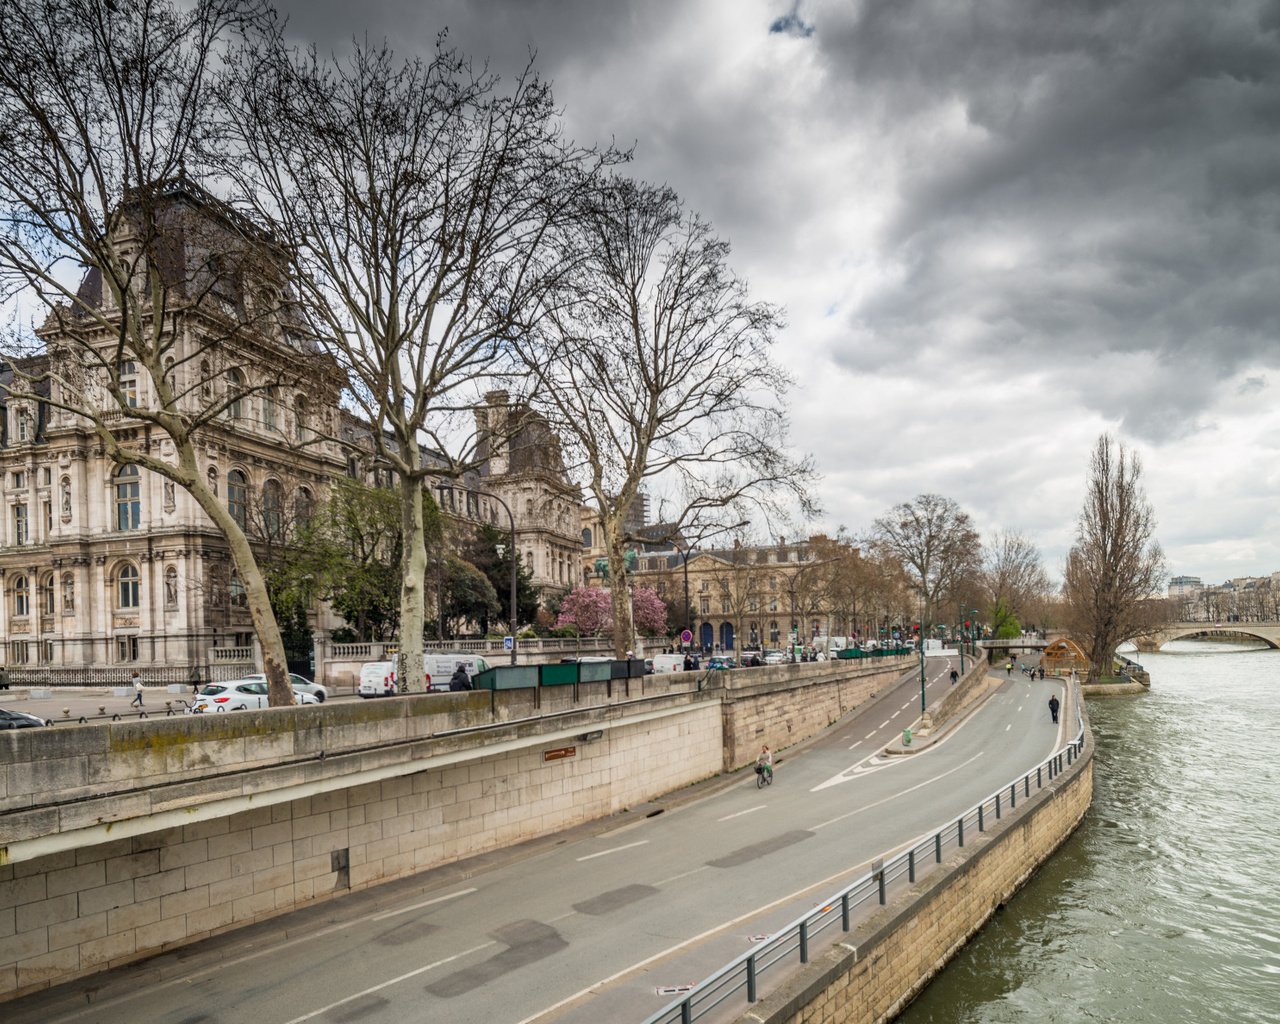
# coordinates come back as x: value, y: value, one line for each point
x: 937, y: 845
x: 960, y: 831
x: 844, y: 911
x: 981, y: 827
x: 804, y: 942
x: 751, y: 979
x: 911, y: 865
x: 997, y: 807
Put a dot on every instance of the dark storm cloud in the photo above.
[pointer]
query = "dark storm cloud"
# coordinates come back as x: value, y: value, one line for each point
x: 1126, y: 155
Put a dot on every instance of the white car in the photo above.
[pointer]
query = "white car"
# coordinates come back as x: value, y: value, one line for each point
x: 300, y: 684
x: 238, y: 695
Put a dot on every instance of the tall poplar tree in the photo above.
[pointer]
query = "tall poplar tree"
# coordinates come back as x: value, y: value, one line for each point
x: 1116, y: 570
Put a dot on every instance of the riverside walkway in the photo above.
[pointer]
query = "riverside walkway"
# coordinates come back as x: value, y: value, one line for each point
x: 601, y: 922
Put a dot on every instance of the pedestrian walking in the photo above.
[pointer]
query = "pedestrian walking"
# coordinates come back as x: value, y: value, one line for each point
x: 137, y: 689
x: 1008, y: 668
x: 1041, y: 671
x: 1053, y: 708
x: 954, y: 677
x: 194, y: 678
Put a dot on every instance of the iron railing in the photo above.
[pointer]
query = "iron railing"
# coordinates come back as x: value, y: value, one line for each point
x: 791, y: 945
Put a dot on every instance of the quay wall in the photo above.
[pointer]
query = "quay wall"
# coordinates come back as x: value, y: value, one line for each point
x: 122, y: 840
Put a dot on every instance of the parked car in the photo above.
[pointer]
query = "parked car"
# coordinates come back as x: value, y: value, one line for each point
x: 300, y: 684
x: 239, y: 695
x: 380, y: 678
x: 722, y: 662
x: 776, y: 657
x: 20, y: 720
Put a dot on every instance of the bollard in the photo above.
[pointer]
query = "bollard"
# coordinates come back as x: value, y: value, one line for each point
x: 906, y: 736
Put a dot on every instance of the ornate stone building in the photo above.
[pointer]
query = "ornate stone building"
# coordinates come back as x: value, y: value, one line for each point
x: 104, y: 566
x: 108, y: 565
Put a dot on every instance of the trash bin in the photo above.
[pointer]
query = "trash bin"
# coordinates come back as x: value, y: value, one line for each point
x: 906, y: 736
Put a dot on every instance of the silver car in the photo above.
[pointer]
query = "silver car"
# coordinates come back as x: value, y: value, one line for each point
x: 238, y: 695
x: 300, y: 684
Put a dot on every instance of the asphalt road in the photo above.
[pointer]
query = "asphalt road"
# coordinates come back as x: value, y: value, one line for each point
x: 588, y: 926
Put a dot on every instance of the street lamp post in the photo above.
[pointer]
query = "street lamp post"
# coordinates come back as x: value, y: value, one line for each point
x: 688, y: 608
x: 514, y: 576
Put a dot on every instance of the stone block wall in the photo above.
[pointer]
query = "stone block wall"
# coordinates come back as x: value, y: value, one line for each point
x: 75, y: 912
x: 788, y: 705
x: 880, y: 966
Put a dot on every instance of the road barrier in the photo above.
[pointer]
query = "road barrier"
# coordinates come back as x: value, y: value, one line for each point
x: 790, y: 945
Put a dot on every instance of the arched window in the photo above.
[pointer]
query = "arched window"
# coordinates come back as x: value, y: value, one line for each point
x: 128, y: 588
x: 270, y: 399
x: 586, y: 537
x: 48, y: 594
x: 773, y: 632
x: 128, y: 499
x: 129, y: 384
x: 273, y: 510
x: 235, y: 392
x: 238, y: 497
x: 21, y: 596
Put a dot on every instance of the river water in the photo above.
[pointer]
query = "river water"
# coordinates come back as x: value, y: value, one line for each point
x: 1164, y: 906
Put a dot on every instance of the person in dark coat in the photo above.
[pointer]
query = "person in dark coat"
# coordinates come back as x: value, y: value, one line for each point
x: 1053, y: 708
x: 688, y: 663
x: 460, y: 680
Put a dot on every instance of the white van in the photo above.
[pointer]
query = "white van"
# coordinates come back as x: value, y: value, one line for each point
x: 668, y: 663
x: 380, y: 678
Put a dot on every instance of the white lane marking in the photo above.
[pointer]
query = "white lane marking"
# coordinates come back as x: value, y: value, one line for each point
x: 848, y: 774
x: 683, y: 874
x: 858, y: 744
x: 392, y: 981
x: 427, y: 903
x: 1008, y: 727
x: 906, y: 705
x: 868, y: 735
x: 885, y: 722
x: 739, y: 814
x: 616, y: 849
x: 596, y: 986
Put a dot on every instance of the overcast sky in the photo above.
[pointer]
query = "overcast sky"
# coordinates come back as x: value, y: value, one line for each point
x: 998, y: 229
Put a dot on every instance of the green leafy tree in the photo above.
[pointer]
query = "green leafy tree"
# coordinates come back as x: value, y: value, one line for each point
x: 468, y: 596
x: 482, y: 552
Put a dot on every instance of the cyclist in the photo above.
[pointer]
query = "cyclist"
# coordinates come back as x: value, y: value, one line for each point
x: 764, y: 763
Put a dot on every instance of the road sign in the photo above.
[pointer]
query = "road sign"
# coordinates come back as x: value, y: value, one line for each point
x: 686, y: 637
x: 508, y: 642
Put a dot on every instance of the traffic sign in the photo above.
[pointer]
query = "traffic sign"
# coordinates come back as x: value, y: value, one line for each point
x: 686, y: 637
x: 508, y: 642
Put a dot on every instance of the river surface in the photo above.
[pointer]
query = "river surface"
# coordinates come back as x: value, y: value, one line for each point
x: 1164, y: 906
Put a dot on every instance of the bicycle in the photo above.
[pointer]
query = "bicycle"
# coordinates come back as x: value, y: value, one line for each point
x: 764, y: 776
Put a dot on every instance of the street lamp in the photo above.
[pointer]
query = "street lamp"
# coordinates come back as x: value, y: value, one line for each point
x: 512, y: 520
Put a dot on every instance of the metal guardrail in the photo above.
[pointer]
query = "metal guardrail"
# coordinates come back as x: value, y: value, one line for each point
x: 789, y: 946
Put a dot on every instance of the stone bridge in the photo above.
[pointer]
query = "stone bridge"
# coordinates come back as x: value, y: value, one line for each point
x: 1267, y: 632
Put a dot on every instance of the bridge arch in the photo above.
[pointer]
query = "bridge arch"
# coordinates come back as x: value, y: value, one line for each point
x: 1268, y: 633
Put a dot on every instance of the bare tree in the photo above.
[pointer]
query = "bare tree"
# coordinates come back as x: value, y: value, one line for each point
x: 653, y: 363
x: 419, y: 201
x: 934, y: 539
x: 1013, y: 579
x: 1116, y: 570
x: 181, y: 315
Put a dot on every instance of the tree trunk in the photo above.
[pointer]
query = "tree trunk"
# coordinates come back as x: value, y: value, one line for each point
x: 413, y: 584
x: 274, y: 662
x: 623, y: 628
